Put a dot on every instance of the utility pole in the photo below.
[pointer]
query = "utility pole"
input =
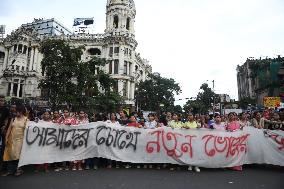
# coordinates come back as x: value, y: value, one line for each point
x: 213, y: 97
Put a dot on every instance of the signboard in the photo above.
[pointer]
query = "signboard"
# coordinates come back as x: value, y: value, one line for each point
x: 271, y: 102
x: 83, y: 21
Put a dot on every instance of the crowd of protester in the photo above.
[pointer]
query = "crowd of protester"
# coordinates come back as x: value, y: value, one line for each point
x: 15, y: 119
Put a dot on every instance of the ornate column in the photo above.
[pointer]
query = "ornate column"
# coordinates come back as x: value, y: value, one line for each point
x: 121, y: 62
x: 36, y: 59
x: 128, y: 90
x: 11, y: 89
x: 32, y: 59
x: 19, y: 87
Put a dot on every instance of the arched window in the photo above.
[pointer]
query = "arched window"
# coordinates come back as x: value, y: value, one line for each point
x: 2, y: 55
x: 20, y: 48
x: 115, y: 21
x: 128, y: 23
x: 94, y: 51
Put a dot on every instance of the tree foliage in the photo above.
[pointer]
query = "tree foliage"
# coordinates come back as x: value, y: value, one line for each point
x: 156, y: 91
x: 70, y: 81
x: 203, y: 102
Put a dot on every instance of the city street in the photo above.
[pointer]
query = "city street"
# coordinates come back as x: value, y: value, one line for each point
x: 252, y: 177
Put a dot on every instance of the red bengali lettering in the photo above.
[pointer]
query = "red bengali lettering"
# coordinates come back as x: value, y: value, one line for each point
x: 231, y: 145
x: 169, y: 141
x: 150, y: 145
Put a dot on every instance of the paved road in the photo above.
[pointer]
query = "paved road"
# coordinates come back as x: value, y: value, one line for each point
x: 253, y: 177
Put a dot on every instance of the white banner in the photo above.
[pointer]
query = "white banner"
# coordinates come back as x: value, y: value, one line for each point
x: 48, y: 143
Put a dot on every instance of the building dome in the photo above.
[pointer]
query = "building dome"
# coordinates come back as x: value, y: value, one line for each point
x: 128, y: 3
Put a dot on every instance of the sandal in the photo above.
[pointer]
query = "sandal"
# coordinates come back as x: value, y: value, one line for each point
x: 18, y: 173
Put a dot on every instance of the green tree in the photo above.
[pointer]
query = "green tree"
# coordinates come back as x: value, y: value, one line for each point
x: 177, y: 109
x: 68, y: 80
x: 203, y: 102
x: 195, y: 106
x: 156, y: 91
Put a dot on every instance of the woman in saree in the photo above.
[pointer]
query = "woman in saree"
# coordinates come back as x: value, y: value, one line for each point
x: 14, y: 142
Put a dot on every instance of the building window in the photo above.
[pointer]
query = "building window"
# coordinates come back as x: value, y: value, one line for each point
x: 20, y: 48
x: 130, y: 68
x: 110, y: 51
x: 2, y: 56
x: 128, y: 23
x: 115, y: 21
x: 15, y: 89
x: 15, y: 48
x: 116, y: 63
x: 125, y: 68
x: 116, y: 50
x: 25, y: 49
x: 125, y: 89
x: 110, y: 68
x: 29, y: 51
x: 21, y: 90
x: 125, y: 51
x: 94, y: 51
x: 9, y: 89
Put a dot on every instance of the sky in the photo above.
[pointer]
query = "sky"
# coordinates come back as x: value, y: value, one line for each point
x: 191, y: 41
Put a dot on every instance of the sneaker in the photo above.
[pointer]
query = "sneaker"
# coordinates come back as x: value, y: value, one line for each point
x: 196, y: 169
x: 117, y: 166
x: 74, y: 168
x: 172, y: 169
x: 95, y: 167
x: 66, y: 169
x: 138, y: 167
x: 80, y: 168
x: 145, y: 166
x: 57, y: 169
x: 127, y: 166
x: 158, y: 167
x: 189, y: 168
x: 87, y: 167
x: 150, y: 166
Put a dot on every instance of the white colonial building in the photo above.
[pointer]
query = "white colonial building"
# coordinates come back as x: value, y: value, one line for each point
x: 20, y: 59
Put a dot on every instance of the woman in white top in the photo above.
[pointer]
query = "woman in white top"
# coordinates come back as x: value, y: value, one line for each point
x: 244, y: 121
x: 258, y: 121
x: 151, y: 123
